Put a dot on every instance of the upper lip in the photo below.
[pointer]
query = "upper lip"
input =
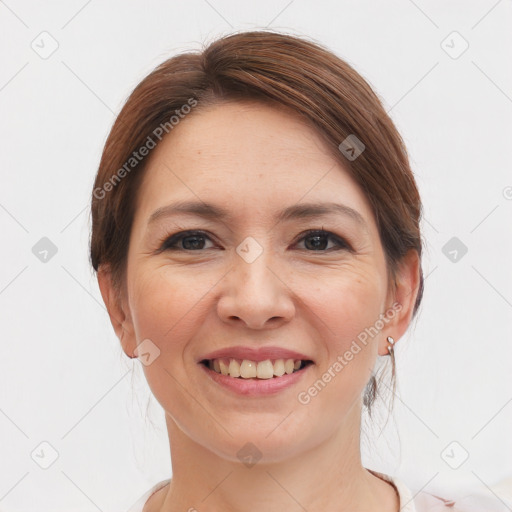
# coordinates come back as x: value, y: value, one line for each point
x: 255, y: 354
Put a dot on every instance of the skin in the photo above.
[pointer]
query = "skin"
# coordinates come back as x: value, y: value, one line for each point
x: 254, y: 160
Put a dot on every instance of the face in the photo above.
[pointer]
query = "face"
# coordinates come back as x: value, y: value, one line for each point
x: 254, y: 279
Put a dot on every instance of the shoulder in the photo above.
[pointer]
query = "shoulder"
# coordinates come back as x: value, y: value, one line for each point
x: 411, y: 501
x: 421, y: 501
x: 427, y: 502
x: 138, y: 506
x: 475, y: 500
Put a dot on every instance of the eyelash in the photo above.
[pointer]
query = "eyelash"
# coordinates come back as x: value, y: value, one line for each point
x: 169, y: 242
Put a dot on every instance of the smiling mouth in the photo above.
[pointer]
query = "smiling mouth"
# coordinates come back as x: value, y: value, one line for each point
x: 261, y: 370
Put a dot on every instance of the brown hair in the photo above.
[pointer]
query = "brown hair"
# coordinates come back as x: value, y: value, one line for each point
x: 283, y: 70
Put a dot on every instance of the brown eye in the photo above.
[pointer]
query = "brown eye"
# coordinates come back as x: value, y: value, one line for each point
x: 318, y: 240
x: 186, y: 241
x: 315, y: 241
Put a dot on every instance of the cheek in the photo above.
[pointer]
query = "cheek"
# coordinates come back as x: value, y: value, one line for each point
x: 346, y: 309
x: 165, y: 304
x: 347, y: 299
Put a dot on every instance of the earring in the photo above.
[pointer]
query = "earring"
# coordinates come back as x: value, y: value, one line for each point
x: 391, y: 341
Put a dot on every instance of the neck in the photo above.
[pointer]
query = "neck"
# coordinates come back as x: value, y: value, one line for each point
x: 328, y: 476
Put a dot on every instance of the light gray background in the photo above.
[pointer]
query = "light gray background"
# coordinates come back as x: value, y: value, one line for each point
x: 63, y: 377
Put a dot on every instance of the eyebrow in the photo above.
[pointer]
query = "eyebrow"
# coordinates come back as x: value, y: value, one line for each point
x: 298, y: 211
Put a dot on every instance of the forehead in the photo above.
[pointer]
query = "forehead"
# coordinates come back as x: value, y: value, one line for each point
x: 250, y: 155
x: 233, y: 132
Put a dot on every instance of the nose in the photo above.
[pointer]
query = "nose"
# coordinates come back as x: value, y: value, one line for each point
x: 256, y: 295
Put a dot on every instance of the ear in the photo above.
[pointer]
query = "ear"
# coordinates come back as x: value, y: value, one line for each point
x: 404, y: 293
x: 118, y: 311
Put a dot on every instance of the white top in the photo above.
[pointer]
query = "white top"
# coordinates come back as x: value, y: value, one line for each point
x: 422, y: 501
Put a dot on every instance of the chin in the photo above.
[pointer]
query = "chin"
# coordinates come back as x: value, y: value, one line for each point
x: 261, y: 445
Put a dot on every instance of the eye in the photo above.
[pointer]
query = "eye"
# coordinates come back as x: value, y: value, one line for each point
x: 319, y: 240
x: 316, y: 240
x: 191, y: 241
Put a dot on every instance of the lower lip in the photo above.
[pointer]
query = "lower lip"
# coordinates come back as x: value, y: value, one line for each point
x: 256, y: 387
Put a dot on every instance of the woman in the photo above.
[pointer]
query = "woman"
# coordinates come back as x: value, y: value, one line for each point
x: 256, y: 237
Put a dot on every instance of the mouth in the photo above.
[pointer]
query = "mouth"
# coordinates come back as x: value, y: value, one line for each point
x: 246, y: 369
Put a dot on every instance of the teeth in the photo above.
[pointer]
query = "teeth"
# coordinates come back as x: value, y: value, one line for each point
x: 224, y: 367
x: 247, y: 369
x: 234, y: 368
x: 265, y: 370
x: 279, y: 368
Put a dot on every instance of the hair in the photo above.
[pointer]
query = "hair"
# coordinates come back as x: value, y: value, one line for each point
x: 284, y: 71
